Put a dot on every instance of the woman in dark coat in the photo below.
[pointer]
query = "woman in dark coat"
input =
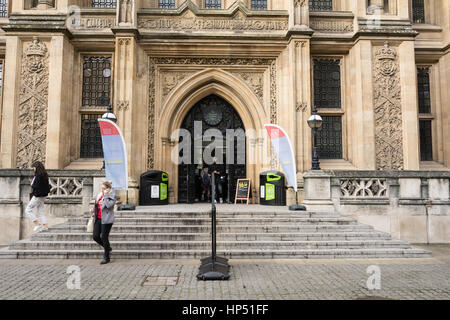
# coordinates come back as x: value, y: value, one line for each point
x: 40, y: 189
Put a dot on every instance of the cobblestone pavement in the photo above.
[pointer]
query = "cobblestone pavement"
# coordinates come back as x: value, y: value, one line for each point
x: 250, y: 279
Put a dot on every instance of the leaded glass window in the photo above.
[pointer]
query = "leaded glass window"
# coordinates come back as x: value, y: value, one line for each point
x: 327, y: 83
x: 418, y: 8
x: 3, y: 8
x: 320, y: 5
x: 166, y: 4
x: 91, y: 140
x: 423, y: 86
x: 104, y: 3
x: 213, y: 4
x: 329, y: 138
x: 259, y: 4
x: 96, y: 81
x: 426, y: 142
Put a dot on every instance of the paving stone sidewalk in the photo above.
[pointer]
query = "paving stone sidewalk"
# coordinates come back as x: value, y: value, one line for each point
x: 250, y: 279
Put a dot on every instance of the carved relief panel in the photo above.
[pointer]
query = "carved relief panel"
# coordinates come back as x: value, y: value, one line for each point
x: 387, y: 109
x: 33, y: 100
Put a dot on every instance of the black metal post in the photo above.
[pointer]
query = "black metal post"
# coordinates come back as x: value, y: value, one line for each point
x: 315, y: 159
x: 213, y: 268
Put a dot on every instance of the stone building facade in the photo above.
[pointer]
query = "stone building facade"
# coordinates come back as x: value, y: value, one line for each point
x: 378, y: 72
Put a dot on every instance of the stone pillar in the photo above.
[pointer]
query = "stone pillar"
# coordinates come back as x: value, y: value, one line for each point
x: 59, y: 103
x: 124, y: 99
x: 14, y: 48
x: 317, y: 188
x: 10, y: 209
x: 409, y: 106
x: 359, y: 111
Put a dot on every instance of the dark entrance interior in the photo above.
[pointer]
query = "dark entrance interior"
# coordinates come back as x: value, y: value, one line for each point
x: 214, y: 113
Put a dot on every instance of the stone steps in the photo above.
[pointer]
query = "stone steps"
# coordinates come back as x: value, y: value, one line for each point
x: 170, y: 232
x: 230, y: 254
x: 205, y: 245
x: 223, y: 221
x: 121, y: 228
x: 84, y: 236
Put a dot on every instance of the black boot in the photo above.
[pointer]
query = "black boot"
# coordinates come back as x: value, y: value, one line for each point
x: 106, y: 257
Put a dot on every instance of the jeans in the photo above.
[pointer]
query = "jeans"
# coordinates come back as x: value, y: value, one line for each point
x: 101, y: 235
x: 36, y: 203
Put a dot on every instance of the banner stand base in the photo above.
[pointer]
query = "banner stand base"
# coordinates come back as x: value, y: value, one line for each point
x: 125, y: 207
x: 297, y: 207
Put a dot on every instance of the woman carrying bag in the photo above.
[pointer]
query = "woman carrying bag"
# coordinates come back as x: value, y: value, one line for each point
x: 103, y: 212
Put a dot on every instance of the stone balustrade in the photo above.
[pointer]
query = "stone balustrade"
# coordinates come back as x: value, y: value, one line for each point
x: 410, y: 205
x: 71, y: 193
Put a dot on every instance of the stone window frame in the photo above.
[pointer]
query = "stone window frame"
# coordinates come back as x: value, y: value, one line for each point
x: 333, y: 111
x: 431, y: 13
x: 78, y: 95
x: 433, y: 116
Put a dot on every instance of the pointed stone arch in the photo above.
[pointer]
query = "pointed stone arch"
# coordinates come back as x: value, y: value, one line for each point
x: 185, y: 95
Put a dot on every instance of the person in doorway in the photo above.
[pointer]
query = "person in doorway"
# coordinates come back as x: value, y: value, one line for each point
x: 217, y: 170
x: 40, y: 187
x: 104, y: 218
x: 206, y: 183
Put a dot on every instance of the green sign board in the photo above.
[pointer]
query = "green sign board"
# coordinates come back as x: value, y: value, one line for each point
x: 163, y: 191
x: 270, y: 191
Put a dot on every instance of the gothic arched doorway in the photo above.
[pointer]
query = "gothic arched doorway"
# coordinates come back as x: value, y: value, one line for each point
x: 212, y: 112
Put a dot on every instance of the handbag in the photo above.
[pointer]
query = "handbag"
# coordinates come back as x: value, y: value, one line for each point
x: 90, y: 224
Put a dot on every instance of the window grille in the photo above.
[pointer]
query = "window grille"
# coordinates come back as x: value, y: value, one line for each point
x: 418, y: 8
x: 166, y: 4
x: 327, y: 83
x: 96, y: 81
x: 426, y: 141
x: 329, y: 138
x: 213, y: 4
x: 423, y: 86
x: 259, y: 4
x: 3, y: 8
x: 104, y: 3
x: 320, y: 5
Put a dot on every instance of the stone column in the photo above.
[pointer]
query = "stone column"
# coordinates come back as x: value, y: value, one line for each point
x: 359, y: 111
x: 124, y: 100
x: 59, y: 103
x: 14, y: 48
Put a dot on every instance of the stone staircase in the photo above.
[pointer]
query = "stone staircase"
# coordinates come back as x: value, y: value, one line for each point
x: 183, y: 231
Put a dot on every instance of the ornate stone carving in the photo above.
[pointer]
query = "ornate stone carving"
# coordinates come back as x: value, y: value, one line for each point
x: 218, y: 62
x: 255, y: 81
x: 331, y: 25
x: 363, y: 188
x: 33, y: 99
x: 123, y: 105
x: 97, y: 22
x: 170, y: 80
x: 388, y: 111
x: 191, y: 22
x: 301, y: 106
x: 65, y: 187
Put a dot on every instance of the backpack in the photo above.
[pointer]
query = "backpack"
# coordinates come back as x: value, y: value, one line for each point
x: 206, y: 179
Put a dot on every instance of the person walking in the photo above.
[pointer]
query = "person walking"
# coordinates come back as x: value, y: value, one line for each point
x: 104, y: 218
x: 206, y: 181
x: 40, y: 188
